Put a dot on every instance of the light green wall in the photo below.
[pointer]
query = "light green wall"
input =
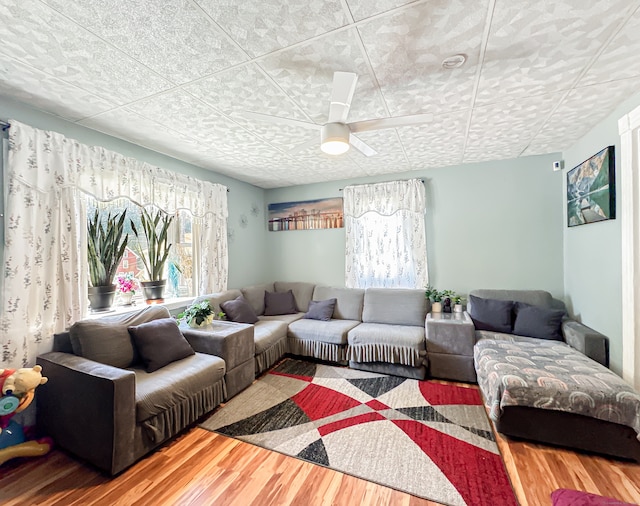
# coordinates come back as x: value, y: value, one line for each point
x: 489, y: 225
x: 247, y: 263
x: 592, y: 253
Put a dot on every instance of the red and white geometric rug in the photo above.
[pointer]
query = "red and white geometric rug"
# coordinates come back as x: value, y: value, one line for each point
x: 421, y: 437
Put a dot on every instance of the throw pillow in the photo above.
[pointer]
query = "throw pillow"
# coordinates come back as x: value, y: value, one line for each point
x: 103, y: 342
x: 276, y: 303
x: 159, y: 343
x: 321, y: 309
x: 567, y: 497
x: 536, y: 321
x: 491, y: 314
x: 239, y: 310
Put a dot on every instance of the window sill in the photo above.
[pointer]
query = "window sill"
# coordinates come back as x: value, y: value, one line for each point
x: 170, y: 304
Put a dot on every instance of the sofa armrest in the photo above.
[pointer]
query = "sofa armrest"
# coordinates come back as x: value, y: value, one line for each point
x: 233, y: 342
x: 89, y: 409
x: 586, y: 340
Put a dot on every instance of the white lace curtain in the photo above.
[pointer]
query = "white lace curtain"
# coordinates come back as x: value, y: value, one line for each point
x: 385, y: 235
x: 45, y: 272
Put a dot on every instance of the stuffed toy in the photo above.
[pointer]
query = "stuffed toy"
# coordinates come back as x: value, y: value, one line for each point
x: 17, y: 389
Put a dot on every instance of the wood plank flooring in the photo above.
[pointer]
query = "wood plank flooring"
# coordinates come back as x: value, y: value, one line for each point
x: 203, y: 468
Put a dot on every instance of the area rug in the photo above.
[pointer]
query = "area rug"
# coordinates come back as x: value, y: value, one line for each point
x: 421, y: 437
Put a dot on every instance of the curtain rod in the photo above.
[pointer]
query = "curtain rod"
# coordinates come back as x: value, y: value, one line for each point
x: 421, y: 180
x: 4, y: 125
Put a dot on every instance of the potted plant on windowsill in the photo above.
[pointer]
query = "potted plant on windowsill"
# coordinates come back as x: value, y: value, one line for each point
x: 106, y: 243
x: 156, y: 231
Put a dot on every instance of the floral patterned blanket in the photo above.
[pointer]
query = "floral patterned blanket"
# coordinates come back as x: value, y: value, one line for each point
x: 522, y: 371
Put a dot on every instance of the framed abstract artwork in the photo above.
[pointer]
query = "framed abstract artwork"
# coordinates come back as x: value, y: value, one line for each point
x: 306, y: 215
x: 591, y: 189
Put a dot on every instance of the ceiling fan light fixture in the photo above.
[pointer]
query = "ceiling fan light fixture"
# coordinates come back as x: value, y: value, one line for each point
x: 334, y: 138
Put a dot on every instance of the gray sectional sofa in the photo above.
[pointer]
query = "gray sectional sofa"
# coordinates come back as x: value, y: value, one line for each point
x: 379, y: 330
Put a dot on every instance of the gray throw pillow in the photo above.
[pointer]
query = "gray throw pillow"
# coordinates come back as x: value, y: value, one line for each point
x: 491, y: 314
x: 159, y: 343
x: 103, y: 342
x: 276, y: 303
x: 536, y: 321
x: 239, y: 310
x: 321, y: 309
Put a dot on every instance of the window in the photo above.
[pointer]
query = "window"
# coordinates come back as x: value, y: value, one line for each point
x: 178, y: 270
x: 385, y: 235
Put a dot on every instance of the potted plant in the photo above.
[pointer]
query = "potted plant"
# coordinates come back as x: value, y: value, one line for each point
x: 457, y: 300
x: 447, y: 295
x: 198, y: 315
x: 126, y: 285
x: 435, y: 296
x: 106, y: 243
x: 156, y: 232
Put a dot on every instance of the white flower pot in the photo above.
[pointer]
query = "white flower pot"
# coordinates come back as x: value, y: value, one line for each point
x: 125, y: 298
x: 457, y: 308
x: 436, y: 307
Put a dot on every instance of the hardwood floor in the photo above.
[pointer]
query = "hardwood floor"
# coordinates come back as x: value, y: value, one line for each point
x: 204, y: 468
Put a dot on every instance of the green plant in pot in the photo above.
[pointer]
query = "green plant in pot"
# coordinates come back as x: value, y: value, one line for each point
x: 106, y: 243
x: 198, y: 315
x: 435, y: 296
x: 155, y: 229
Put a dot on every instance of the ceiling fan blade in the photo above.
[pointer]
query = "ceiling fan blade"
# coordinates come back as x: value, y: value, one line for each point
x: 278, y: 119
x: 382, y: 123
x: 305, y: 145
x: 361, y: 146
x: 344, y: 86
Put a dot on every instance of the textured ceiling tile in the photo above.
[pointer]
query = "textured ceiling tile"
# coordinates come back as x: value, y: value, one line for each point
x: 189, y: 116
x: 361, y: 9
x: 262, y: 27
x: 46, y: 40
x: 305, y: 73
x: 436, y: 144
x: 406, y: 50
x: 174, y: 38
x: 247, y: 89
x: 579, y: 113
x: 390, y: 155
x: 542, y: 46
x: 620, y: 59
x: 24, y: 83
x: 503, y: 130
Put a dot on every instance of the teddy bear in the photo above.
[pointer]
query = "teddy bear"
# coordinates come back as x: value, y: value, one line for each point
x: 21, y: 381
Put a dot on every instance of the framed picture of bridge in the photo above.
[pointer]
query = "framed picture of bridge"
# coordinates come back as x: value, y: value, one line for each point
x: 591, y: 190
x: 306, y: 215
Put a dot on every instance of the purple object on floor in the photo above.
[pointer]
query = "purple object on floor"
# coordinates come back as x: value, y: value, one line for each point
x: 566, y: 497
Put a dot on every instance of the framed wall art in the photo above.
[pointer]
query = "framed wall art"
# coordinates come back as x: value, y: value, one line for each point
x: 591, y: 189
x: 306, y: 215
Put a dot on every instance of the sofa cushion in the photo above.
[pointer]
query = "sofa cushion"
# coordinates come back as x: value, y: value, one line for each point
x: 332, y: 332
x: 533, y: 297
x: 349, y: 301
x: 321, y: 309
x: 302, y: 292
x: 536, y: 321
x: 381, y: 342
x: 215, y: 299
x: 254, y: 295
x: 159, y: 343
x: 277, y: 303
x: 238, y: 310
x: 491, y: 314
x: 268, y: 332
x: 287, y: 318
x: 107, y: 340
x: 175, y: 383
x: 395, y: 306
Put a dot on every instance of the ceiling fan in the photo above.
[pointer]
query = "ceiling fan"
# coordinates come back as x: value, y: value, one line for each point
x: 336, y: 136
